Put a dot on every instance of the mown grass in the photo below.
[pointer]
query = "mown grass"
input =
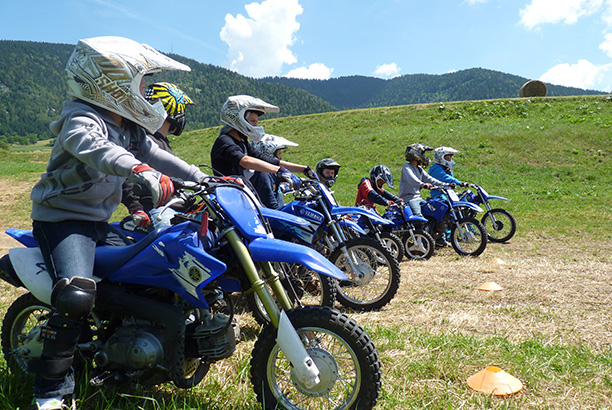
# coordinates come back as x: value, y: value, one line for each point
x: 550, y: 328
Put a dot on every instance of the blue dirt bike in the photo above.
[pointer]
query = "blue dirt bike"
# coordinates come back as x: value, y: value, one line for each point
x: 373, y: 273
x: 499, y: 223
x: 418, y: 244
x: 447, y: 213
x: 159, y: 314
x: 303, y: 285
x: 377, y: 227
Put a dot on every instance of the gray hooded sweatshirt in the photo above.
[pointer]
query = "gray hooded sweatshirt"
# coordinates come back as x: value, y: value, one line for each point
x: 89, y: 161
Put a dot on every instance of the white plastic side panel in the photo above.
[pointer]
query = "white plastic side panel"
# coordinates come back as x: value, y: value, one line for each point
x: 30, y: 267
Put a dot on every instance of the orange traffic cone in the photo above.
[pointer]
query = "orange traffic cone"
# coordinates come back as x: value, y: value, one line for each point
x: 490, y: 286
x: 494, y: 380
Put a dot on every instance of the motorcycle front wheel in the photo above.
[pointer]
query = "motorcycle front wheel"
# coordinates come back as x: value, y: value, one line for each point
x: 350, y: 370
x: 20, y: 330
x: 419, y: 247
x: 376, y: 279
x: 500, y: 225
x: 468, y: 237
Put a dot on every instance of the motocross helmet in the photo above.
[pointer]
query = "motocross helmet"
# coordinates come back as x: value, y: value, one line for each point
x: 174, y: 101
x: 107, y: 72
x: 440, y: 153
x: 416, y: 152
x: 383, y: 173
x: 234, y: 110
x: 327, y: 163
x: 269, y: 144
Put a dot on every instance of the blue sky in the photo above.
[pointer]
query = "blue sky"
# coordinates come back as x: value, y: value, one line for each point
x: 567, y: 42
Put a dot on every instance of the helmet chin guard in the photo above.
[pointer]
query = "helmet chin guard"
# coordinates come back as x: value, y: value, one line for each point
x: 440, y: 153
x: 383, y: 173
x: 107, y: 72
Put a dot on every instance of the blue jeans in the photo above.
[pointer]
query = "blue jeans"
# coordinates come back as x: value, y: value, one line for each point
x: 166, y: 217
x: 415, y: 205
x: 68, y: 249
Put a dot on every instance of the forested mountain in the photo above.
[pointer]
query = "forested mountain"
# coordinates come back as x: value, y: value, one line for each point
x: 33, y: 88
x: 473, y: 84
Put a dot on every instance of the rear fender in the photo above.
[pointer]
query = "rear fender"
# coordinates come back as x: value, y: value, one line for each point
x: 275, y: 250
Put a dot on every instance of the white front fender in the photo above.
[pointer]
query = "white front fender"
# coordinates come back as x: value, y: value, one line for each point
x: 287, y: 338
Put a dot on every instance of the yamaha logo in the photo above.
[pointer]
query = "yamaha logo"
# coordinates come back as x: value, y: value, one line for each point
x: 195, y: 274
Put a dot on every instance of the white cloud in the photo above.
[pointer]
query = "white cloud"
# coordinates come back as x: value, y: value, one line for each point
x: 606, y: 45
x: 387, y: 70
x: 316, y: 71
x: 556, y: 11
x: 583, y: 74
x: 259, y: 44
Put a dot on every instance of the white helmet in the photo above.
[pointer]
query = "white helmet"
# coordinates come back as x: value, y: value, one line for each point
x: 440, y: 153
x: 107, y: 71
x: 234, y: 111
x: 269, y: 144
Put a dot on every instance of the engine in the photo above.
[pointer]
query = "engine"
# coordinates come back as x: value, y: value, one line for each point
x: 215, y: 338
x: 132, y: 347
x: 139, y: 346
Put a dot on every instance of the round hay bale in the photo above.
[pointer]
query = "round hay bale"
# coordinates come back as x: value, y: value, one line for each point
x: 533, y: 88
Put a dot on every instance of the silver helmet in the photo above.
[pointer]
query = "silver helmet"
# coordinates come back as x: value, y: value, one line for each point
x: 269, y: 144
x: 107, y: 72
x: 234, y: 110
x: 440, y: 153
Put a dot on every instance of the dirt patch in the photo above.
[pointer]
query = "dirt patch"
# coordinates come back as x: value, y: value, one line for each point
x: 551, y: 288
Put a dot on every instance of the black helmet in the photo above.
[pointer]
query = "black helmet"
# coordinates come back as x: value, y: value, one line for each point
x: 381, y: 172
x: 327, y: 163
x: 416, y: 152
x: 174, y: 101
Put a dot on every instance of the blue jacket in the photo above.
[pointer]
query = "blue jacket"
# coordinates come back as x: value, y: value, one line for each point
x: 443, y: 174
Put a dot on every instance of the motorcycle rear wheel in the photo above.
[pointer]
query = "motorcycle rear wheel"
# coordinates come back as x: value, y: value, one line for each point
x: 377, y: 280
x: 470, y: 239
x: 394, y: 244
x: 350, y: 370
x: 503, y: 228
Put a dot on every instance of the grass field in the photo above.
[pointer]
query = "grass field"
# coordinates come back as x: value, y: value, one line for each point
x: 550, y: 326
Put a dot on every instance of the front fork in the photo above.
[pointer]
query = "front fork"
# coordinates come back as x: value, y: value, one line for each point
x: 287, y: 338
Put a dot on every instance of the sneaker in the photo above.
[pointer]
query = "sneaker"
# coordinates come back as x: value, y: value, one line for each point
x: 55, y: 404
